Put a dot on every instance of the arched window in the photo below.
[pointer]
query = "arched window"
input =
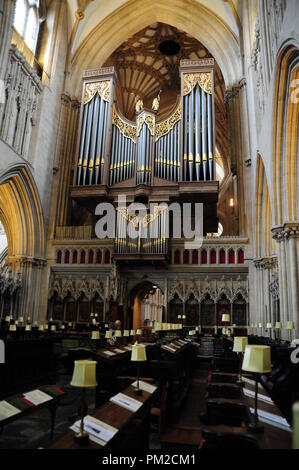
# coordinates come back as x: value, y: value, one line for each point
x: 107, y: 257
x: 194, y: 257
x: 75, y: 257
x: 82, y: 257
x: 99, y: 257
x: 90, y: 257
x: 26, y: 21
x: 222, y: 256
x: 240, y: 256
x: 59, y: 257
x: 177, y: 257
x: 231, y: 256
x: 204, y: 257
x: 186, y: 257
x: 67, y: 257
x: 213, y: 257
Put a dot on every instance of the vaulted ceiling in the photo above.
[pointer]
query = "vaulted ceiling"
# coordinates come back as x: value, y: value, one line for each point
x: 143, y: 70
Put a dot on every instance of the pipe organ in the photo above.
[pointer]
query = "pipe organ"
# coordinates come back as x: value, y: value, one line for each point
x: 178, y: 148
x: 93, y: 138
x: 122, y: 163
x: 198, y: 135
x: 141, y: 234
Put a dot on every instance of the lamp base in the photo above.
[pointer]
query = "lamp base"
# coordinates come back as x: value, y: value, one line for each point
x: 82, y: 438
x: 240, y: 381
x: 137, y: 391
x: 255, y: 427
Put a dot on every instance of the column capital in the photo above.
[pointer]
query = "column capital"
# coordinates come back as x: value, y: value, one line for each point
x: 277, y: 233
x: 269, y: 262
x: 286, y: 231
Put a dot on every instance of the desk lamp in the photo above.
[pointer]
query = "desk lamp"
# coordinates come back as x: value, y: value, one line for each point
x: 126, y: 334
x: 108, y: 335
x: 84, y: 376
x: 138, y: 355
x: 240, y: 343
x: 95, y: 335
x: 225, y: 318
x: 257, y: 360
x: 290, y: 326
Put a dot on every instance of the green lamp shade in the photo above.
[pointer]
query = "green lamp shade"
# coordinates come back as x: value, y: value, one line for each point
x: 95, y: 335
x: 240, y: 343
x: 138, y: 353
x: 257, y: 359
x: 84, y: 374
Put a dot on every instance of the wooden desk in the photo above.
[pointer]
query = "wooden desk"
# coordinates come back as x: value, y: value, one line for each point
x: 16, y: 400
x: 112, y: 414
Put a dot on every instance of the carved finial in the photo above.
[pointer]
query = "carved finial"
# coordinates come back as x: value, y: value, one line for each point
x: 156, y: 102
x: 139, y: 106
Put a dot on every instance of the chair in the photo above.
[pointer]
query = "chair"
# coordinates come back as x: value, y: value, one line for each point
x: 215, y: 441
x: 159, y: 413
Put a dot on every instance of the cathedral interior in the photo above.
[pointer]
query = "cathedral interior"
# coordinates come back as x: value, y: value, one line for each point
x: 149, y: 213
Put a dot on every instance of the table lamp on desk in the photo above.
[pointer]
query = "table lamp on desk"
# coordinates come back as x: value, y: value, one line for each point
x: 290, y: 326
x: 225, y: 318
x: 84, y: 376
x: 138, y: 355
x: 108, y: 335
x: 240, y: 343
x: 126, y: 335
x: 138, y: 332
x: 257, y: 360
x: 95, y: 335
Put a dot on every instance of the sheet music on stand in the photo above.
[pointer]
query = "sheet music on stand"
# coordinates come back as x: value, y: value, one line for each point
x: 146, y: 387
x: 99, y: 432
x: 7, y: 410
x: 126, y: 402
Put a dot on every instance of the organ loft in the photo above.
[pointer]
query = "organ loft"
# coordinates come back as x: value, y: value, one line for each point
x: 149, y: 280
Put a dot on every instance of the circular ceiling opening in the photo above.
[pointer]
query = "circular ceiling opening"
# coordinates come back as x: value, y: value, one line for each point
x: 169, y: 47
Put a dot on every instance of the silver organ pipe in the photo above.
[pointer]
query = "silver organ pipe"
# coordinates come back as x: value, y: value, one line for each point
x: 204, y: 133
x: 197, y: 133
x: 87, y: 140
x: 82, y: 143
x: 122, y: 159
x: 167, y: 146
x: 210, y: 138
x: 92, y: 154
x: 191, y: 135
x: 186, y: 105
x: 93, y: 133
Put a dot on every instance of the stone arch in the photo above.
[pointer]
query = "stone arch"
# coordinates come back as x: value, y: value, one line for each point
x: 127, y: 20
x: 285, y: 135
x: 22, y: 217
x: 21, y: 213
x: 263, y: 213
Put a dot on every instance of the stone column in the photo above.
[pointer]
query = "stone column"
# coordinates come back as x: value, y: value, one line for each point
x: 291, y: 235
x: 232, y: 99
x: 7, y: 9
x: 278, y: 235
